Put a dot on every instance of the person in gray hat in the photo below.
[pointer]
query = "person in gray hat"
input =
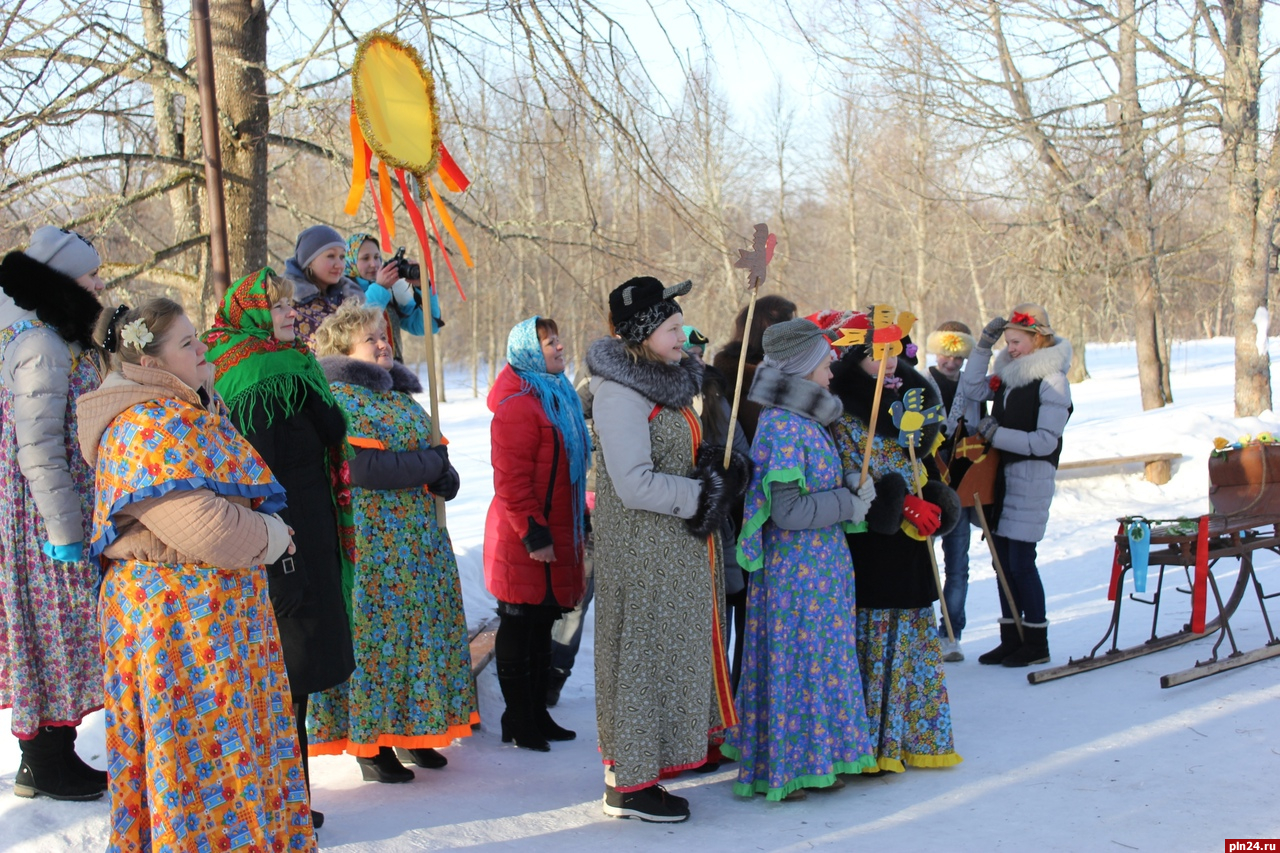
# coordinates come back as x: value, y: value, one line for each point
x: 316, y: 270
x: 50, y: 661
x: 803, y: 718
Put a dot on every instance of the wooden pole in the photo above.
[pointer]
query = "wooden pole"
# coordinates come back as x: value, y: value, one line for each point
x: 875, y: 415
x: 933, y: 558
x: 995, y: 564
x: 432, y: 381
x: 737, y: 386
x: 219, y: 266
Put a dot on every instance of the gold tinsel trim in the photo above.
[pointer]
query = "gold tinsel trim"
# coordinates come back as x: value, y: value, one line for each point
x: 417, y: 169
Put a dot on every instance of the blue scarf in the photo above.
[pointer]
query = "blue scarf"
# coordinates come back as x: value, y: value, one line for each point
x: 555, y: 392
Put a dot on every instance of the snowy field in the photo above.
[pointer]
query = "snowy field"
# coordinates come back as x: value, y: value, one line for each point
x: 1100, y: 761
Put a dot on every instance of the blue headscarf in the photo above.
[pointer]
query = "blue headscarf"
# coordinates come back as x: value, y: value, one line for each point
x: 555, y: 392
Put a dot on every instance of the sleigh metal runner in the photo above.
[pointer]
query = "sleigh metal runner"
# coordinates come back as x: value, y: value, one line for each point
x: 1191, y: 548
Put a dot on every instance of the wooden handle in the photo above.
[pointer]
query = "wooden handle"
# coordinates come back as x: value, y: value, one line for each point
x: 737, y: 385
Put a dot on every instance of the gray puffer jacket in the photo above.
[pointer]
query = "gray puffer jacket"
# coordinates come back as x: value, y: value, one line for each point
x: 1029, y: 483
x: 35, y: 368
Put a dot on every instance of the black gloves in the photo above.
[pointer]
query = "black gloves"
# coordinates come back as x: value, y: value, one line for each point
x: 713, y: 502
x: 448, y: 483
x: 287, y: 587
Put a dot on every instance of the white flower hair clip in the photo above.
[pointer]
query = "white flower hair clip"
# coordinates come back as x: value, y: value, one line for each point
x: 136, y: 334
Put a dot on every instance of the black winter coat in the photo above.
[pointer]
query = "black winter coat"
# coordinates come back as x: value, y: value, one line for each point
x: 891, y: 569
x: 317, y: 637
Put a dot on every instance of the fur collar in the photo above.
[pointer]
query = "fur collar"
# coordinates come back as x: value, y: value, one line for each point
x: 672, y: 385
x: 350, y: 371
x: 796, y: 394
x: 55, y: 298
x: 1034, y: 366
x: 856, y: 390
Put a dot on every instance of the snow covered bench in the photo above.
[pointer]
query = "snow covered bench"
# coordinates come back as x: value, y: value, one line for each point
x: 1158, y: 467
x: 481, y: 640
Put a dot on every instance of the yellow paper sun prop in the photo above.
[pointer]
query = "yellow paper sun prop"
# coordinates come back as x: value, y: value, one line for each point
x: 394, y: 117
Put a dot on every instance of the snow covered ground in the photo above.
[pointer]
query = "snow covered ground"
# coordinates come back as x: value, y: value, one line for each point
x: 1105, y: 760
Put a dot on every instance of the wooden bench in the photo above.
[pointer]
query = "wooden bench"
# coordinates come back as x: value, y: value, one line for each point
x: 1158, y: 466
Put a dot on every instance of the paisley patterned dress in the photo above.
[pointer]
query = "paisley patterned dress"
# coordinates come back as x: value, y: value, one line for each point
x: 800, y: 698
x: 659, y: 689
x: 898, y: 650
x: 50, y: 662
x: 201, y: 743
x: 412, y: 686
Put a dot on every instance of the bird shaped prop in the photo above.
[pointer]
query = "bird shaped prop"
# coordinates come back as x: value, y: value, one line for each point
x: 756, y: 259
x: 910, y: 416
x: 879, y: 331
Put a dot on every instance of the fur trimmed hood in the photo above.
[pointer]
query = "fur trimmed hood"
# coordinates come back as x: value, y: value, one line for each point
x: 672, y: 385
x: 856, y: 390
x: 54, y: 298
x: 808, y: 399
x: 1034, y: 366
x: 342, y: 368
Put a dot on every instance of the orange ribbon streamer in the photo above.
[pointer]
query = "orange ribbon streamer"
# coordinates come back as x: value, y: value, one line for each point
x: 448, y: 263
x: 419, y: 226
x: 447, y: 220
x: 359, y: 165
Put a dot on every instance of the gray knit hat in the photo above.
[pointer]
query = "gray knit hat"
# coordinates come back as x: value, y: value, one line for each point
x: 65, y: 251
x: 314, y: 240
x: 795, y: 346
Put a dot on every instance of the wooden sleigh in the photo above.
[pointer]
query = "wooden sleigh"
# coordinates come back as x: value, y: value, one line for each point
x: 1178, y: 546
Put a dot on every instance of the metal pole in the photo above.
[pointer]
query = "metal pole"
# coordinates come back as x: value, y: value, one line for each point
x: 219, y: 266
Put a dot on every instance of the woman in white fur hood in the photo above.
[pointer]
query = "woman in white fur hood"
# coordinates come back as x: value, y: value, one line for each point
x: 1031, y: 402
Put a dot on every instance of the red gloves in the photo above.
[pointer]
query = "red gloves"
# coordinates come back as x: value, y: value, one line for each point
x: 924, y: 515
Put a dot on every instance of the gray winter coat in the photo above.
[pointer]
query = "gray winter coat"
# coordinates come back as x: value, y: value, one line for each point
x: 36, y: 368
x: 1029, y: 482
x: 621, y: 421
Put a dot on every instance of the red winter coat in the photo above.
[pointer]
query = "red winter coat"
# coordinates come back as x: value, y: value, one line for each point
x: 532, y: 495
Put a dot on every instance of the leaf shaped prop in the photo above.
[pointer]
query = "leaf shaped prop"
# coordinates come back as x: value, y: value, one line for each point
x: 394, y: 117
x: 910, y: 416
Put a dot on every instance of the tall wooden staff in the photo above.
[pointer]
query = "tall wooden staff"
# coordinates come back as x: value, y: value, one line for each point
x: 219, y: 266
x: 910, y: 417
x: 756, y: 262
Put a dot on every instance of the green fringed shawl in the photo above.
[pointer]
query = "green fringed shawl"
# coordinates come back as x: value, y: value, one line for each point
x: 251, y: 368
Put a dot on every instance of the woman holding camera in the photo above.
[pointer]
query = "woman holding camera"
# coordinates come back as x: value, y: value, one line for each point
x: 393, y: 285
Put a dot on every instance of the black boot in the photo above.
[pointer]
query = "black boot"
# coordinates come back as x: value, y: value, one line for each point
x: 1035, y: 645
x: 1010, y: 642
x: 518, y: 721
x: 46, y: 770
x: 540, y: 679
x: 427, y: 758
x: 555, y: 683
x: 384, y: 767
x: 75, y: 762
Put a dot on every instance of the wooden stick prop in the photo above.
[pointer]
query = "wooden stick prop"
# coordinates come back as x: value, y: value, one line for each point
x: 756, y: 262
x: 882, y: 334
x: 910, y: 417
x: 995, y: 564
x: 219, y: 266
x: 394, y: 117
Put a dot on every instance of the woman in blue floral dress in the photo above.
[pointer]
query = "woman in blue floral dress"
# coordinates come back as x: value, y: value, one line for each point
x: 412, y: 687
x: 803, y: 721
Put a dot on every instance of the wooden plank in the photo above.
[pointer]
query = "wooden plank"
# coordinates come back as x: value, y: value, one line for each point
x: 482, y: 640
x: 1086, y: 664
x: 1203, y: 670
x: 1120, y: 460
